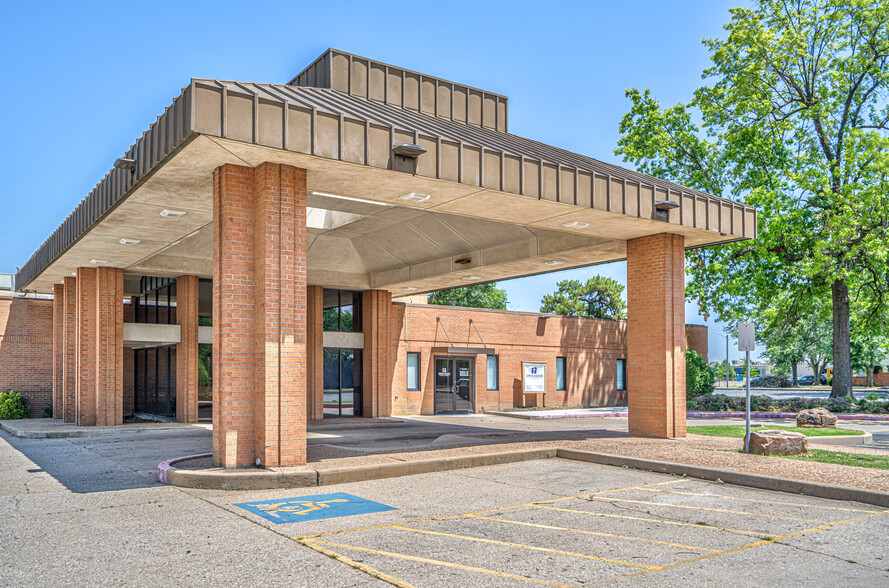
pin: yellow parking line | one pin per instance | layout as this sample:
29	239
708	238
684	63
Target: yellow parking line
437	562
736	512
481	512
640	487
358	565
597	533
530	547
757	544
756	500
681	524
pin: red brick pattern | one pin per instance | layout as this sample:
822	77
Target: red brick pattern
698	340
26	350
69	346
315	352
259	306
376	368
187	383
656	335
99	347
58	353
591	348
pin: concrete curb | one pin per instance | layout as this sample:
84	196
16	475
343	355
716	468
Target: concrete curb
265	479
84	432
866	439
268	479
732	477
530	416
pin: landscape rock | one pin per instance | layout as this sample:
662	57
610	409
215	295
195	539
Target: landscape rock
777	442
816	418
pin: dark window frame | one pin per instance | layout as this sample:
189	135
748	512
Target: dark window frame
564	362
408	371
496	373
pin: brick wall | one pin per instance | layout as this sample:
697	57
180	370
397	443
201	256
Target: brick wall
591	348
697	339
26	360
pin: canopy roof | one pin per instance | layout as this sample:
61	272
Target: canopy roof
469	169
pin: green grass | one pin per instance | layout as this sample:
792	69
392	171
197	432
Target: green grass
862	460
739	431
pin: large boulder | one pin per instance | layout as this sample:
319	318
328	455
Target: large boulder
816	418
777	442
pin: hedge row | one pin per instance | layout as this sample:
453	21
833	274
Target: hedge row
723	403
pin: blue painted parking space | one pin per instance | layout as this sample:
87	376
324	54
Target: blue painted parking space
312	508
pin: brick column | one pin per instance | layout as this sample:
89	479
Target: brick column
376	386
58	350
99	346
656	335
69	347
259	315
315	351
187	349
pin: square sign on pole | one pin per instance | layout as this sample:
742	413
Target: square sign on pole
747	343
746	337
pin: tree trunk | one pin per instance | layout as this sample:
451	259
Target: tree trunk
793	371
870	377
842	354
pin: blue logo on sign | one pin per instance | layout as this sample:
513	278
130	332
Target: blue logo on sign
312	508
533	370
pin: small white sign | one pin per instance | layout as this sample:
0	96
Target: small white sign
746	337
534	377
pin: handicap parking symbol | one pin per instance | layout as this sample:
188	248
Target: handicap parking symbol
312	508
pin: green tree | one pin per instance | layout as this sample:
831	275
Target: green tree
699	376
598	297
475	296
794	122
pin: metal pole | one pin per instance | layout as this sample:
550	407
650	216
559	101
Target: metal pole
747	437
726	362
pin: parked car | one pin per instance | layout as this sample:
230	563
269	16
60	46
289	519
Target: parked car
806	381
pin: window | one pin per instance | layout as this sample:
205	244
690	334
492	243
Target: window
621	374
342	311
493	372
413	371
560	373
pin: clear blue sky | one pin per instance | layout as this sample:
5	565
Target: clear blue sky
83	80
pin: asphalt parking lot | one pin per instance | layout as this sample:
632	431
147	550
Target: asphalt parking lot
75	514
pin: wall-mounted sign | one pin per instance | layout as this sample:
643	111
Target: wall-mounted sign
533	377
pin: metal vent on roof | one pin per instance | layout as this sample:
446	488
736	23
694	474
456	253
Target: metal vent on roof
7	282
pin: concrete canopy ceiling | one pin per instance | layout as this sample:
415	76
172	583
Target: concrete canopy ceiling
390	243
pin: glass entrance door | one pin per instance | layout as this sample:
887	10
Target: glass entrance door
454	384
342	382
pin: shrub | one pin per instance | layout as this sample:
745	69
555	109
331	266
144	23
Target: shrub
13	406
769	382
698	375
47	412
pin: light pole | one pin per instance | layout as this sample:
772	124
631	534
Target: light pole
726	361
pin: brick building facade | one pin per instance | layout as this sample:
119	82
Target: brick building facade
26	342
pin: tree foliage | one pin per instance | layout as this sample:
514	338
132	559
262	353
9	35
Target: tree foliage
794	121
598	297
475	296
699	378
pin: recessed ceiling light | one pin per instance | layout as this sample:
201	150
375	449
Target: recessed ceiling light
575	225
130	241
173	213
98	261
409	288
470	278
553	262
415	197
